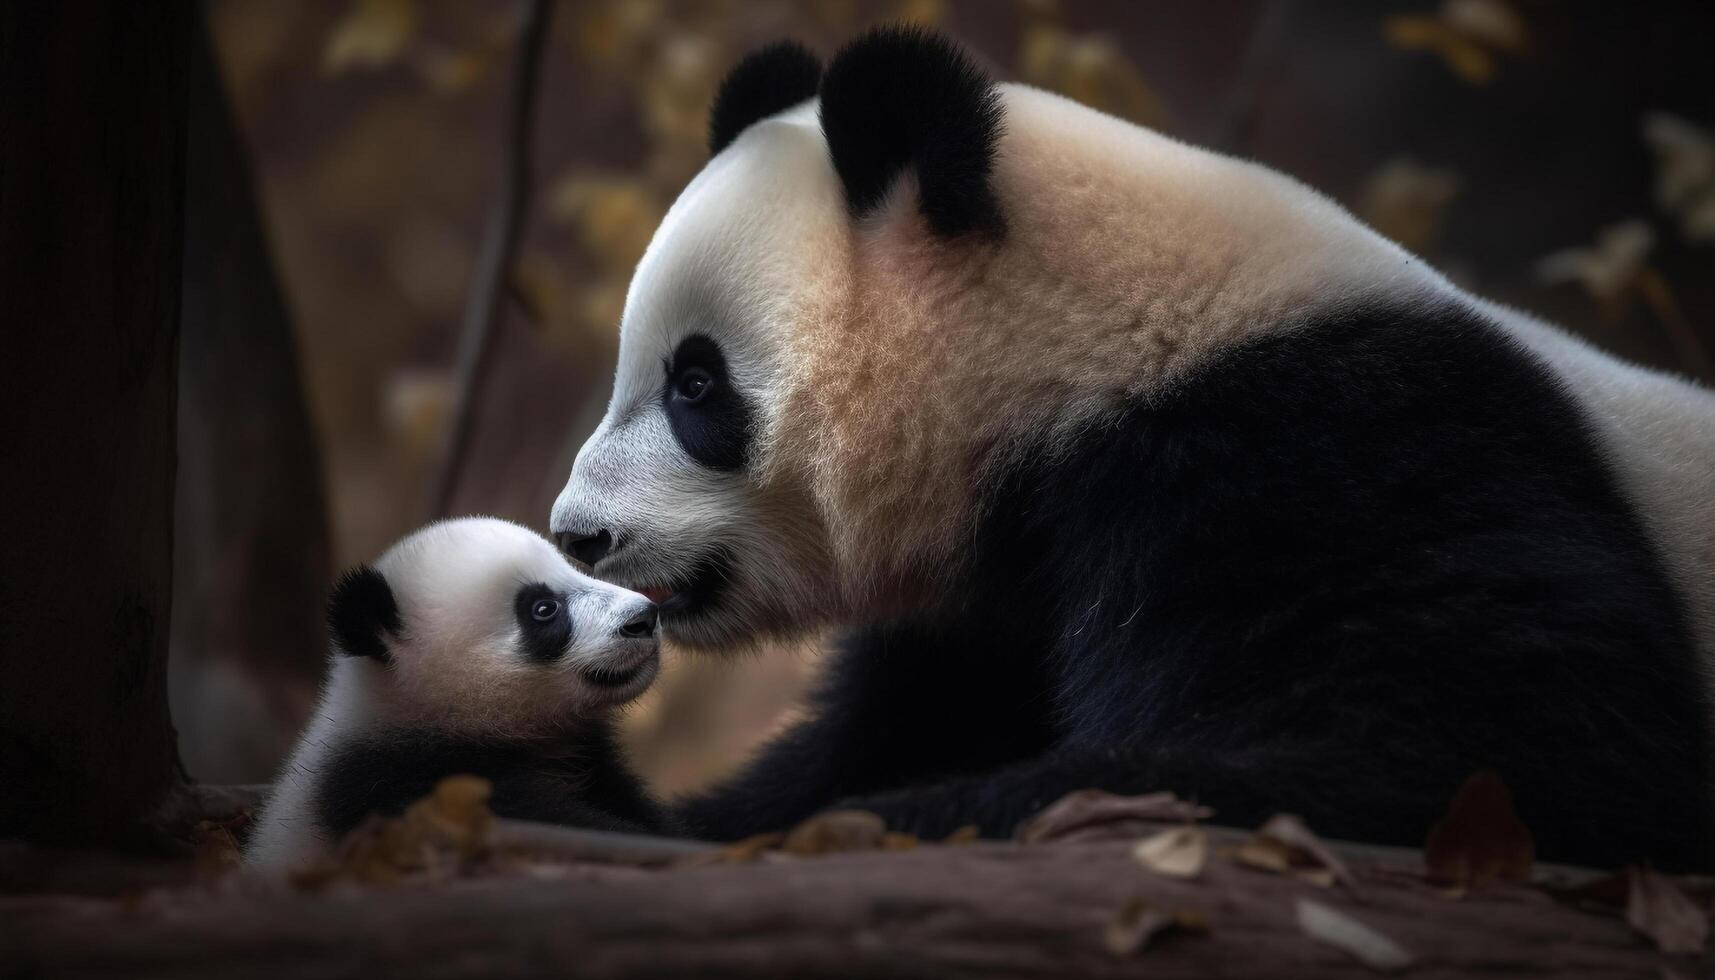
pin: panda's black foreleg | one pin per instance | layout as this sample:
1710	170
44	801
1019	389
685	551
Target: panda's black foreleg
899	704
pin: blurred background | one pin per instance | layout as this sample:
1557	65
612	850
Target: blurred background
1553	155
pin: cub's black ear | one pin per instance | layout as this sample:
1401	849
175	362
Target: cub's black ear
902	97
771	79
360	609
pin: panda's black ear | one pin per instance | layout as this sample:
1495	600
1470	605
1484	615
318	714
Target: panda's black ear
360	610
901	97
768	81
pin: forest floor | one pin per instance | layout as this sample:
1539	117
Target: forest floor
1098	886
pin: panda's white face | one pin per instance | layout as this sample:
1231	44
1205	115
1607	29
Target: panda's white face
673	495
808	402
498	634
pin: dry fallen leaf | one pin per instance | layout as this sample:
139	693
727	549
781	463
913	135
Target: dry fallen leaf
968	834
738	852
1093	814
1284	845
1657	908
835	831
891	841
1481	838
440	834
1137	922
1328	925
217	851
1176	853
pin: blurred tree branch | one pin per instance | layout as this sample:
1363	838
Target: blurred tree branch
494	263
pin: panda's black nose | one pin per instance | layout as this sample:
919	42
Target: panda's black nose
588	548
640	625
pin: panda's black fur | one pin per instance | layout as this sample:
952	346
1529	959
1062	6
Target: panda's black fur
580	779
1335	572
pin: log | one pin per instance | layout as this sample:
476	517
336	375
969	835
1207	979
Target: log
988	909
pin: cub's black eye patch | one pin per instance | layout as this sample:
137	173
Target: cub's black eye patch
544	622
709	416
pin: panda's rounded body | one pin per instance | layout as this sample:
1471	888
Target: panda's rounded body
471	647
1137	466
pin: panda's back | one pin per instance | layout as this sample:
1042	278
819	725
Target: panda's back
1657	435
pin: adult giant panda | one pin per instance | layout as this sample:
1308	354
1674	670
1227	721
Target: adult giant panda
1135	466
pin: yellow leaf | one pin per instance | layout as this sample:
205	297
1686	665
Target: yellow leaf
1463	56
1090	69
616	215
1176	853
372	35
1406	202
834	831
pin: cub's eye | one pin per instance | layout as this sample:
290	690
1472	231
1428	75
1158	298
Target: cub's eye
544	610
693	385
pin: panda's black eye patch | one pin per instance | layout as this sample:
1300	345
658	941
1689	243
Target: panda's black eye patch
546	630
709	416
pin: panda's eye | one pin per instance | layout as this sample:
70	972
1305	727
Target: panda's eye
693	385
544	610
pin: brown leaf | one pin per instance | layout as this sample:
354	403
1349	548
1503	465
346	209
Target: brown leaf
891	841
740	851
1176	853
217	851
1481	838
1093	814
1284	845
835	831
1335	928
1137	922
968	834
1657	908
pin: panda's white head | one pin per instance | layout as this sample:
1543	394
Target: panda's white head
889	279
481	627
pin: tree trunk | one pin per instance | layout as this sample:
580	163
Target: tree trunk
92	121
251	541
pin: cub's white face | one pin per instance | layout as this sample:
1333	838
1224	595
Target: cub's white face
674	494
500	635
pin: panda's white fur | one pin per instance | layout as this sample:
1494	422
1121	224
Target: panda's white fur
1145	255
456	665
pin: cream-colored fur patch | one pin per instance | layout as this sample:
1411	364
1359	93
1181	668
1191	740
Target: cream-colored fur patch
1129	258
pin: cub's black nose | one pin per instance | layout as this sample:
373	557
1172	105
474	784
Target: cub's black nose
588	549
640	625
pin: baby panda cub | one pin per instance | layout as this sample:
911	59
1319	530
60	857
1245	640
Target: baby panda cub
471	646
